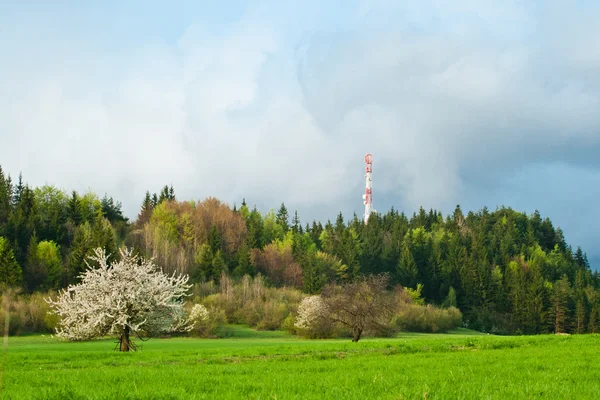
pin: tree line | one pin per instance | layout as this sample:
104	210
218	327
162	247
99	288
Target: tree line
507	271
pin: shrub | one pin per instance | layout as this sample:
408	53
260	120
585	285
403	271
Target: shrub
251	302
418	318
313	320
28	314
206	323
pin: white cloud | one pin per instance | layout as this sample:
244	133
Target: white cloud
450	100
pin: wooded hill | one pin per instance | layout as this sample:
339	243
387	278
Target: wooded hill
507	271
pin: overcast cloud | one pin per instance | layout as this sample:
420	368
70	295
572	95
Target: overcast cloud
464	102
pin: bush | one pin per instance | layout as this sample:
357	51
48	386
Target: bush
418	318
28	314
206	322
251	302
313	320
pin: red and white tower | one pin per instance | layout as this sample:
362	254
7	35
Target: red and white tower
368	196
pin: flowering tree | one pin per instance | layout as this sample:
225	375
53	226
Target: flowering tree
313	317
131	296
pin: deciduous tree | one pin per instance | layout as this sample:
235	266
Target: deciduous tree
132	296
364	304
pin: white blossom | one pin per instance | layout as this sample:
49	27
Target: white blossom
130	296
198	314
310	311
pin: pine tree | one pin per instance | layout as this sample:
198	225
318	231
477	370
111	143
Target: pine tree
5	200
214	239
244	263
282	218
32	278
407	272
560	303
254	224
82	247
18	191
580	302
203	261
10	271
218	265
74	208
164	194
146	210
103	235
112	210
296	226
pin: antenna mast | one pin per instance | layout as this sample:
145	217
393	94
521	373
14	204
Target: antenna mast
368	196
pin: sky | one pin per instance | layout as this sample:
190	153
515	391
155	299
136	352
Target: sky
470	102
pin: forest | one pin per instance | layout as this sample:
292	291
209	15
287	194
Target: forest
508	272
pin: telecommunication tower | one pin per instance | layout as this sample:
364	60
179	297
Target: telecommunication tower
368	196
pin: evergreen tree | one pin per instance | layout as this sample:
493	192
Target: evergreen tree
214	239
254	225
408	274
112	210
296	225
282	218
560	302
32	276
75	208
218	265
580	302
18	190
146	210
103	235
82	248
203	260
5	200
244	263
10	271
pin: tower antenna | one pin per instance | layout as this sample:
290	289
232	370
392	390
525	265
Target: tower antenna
368	196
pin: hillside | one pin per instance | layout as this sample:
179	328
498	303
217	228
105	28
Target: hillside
508	272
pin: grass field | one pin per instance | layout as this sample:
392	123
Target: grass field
273	365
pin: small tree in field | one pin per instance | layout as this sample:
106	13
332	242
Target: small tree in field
313	318
364	304
130	297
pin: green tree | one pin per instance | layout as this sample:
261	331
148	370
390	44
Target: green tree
44	266
82	248
218	265
244	263
203	260
296	225
214	239
146	210
6	194
74	208
10	271
408	274
561	296
282	218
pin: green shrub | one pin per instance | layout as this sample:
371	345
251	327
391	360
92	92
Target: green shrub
28	314
418	318
250	302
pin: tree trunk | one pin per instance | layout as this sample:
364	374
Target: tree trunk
125	343
357	333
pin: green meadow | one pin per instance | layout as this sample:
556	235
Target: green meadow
272	365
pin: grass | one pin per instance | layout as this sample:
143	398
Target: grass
273	365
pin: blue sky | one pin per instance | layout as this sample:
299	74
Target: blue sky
465	102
